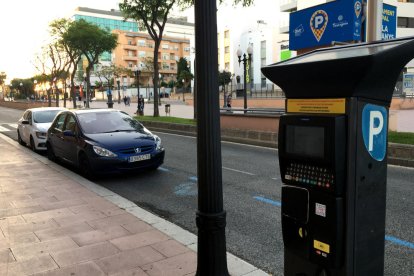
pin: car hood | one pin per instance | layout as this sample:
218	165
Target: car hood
122	139
43	127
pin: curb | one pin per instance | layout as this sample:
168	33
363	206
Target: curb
236	266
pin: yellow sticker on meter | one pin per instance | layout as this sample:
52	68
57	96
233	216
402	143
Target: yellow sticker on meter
321	246
334	106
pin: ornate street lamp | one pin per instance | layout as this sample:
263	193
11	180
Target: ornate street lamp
245	60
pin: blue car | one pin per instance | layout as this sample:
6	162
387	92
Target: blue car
100	141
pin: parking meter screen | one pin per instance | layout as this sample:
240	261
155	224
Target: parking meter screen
305	141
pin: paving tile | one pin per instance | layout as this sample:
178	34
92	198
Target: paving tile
137	227
11	220
46	215
112	221
14	240
133	272
20	211
33	202
6	256
127	260
170	248
74	229
100	235
85	253
175	266
62	204
25	252
83	269
21	228
80	217
28	267
139	240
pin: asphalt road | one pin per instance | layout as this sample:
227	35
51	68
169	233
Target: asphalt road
251	187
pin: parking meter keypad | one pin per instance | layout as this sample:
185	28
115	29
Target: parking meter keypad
310	175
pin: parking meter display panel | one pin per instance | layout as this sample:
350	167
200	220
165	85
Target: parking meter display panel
312	151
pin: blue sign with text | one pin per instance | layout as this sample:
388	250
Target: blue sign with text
389	22
322	24
374	130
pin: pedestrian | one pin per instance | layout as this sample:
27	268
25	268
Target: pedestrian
125	100
128	100
140	110
229	101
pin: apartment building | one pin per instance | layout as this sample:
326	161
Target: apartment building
137	49
178	34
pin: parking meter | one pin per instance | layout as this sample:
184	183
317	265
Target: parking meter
332	155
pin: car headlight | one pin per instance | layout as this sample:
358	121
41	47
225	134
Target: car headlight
103	152
158	142
41	135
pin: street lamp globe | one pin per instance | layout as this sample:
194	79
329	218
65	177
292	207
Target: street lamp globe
239	52
250	50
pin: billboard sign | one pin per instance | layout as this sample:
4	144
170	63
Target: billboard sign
322	24
408	83
389	22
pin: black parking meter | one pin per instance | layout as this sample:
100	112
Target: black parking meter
332	155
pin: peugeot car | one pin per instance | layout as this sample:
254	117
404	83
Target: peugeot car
33	125
100	141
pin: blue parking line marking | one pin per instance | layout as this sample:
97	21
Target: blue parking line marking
266	200
163	169
193	178
399	242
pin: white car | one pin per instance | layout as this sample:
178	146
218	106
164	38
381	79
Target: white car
33	125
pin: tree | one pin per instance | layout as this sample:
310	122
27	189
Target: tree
3	78
58	29
151	15
91	41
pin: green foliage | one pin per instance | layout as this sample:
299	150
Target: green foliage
3	78
401	137
183	73
224	77
171	84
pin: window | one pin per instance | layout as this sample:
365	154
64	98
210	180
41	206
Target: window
141	43
165	56
186	49
227	34
165	66
130	64
150	45
172	66
172	57
405	22
59	122
142	54
263	48
227	49
70	124
165	46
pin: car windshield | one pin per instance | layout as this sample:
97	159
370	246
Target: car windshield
45	116
106	122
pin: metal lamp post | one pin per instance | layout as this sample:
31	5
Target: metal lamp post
21	88
86	91
159	88
34	89
245	60
183	81
56	91
65	95
137	72
119	91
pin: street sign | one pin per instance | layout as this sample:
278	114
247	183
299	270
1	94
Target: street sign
408	83
374	130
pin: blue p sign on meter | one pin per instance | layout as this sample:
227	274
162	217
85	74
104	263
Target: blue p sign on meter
374	130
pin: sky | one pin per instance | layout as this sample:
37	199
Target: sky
24	29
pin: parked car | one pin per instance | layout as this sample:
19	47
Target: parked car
33	125
100	141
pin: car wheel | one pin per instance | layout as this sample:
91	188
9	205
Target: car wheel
50	153
19	139
85	167
32	144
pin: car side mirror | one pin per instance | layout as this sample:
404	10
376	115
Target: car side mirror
68	133
25	122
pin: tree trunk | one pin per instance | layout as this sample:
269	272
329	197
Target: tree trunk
156	78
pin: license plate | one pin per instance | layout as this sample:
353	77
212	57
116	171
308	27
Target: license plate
139	157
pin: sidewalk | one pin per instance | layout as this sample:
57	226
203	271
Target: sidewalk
55	222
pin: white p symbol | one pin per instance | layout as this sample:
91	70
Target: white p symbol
318	21
372	129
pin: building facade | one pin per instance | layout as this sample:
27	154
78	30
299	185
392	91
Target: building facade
136	49
178	40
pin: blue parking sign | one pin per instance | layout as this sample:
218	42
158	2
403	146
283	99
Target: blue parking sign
374	130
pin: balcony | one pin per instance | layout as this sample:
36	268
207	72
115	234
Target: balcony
288	5
127	57
130	47
284	26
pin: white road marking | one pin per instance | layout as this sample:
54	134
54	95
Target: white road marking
3	129
234	170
